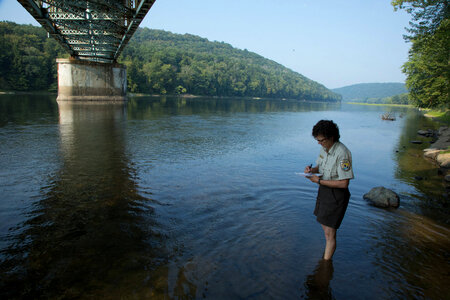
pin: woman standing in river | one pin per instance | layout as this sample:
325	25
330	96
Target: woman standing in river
335	165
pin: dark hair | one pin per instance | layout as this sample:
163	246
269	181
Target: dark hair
328	129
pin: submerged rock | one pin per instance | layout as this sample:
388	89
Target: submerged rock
382	197
422	132
427	133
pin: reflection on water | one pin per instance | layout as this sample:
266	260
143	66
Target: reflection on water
23	110
154	107
416	249
432	199
87	235
173	198
317	285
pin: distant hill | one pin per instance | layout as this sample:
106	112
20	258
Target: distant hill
364	91
162	62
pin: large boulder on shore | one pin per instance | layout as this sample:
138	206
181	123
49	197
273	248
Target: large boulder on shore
443	159
382	197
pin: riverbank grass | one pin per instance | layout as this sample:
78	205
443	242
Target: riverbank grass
442	116
381	104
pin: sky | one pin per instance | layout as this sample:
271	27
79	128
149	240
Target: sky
333	42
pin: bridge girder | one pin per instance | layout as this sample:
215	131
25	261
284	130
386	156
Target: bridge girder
95	30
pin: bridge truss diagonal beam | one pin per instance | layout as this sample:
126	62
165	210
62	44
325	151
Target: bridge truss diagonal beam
95	30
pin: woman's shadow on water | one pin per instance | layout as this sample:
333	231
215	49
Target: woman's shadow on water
317	284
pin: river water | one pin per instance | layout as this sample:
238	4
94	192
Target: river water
168	198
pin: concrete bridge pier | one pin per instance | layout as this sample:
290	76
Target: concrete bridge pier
80	80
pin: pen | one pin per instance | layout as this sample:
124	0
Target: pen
310	168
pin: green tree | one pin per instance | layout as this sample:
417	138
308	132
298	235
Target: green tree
428	66
27	58
159	62
168	60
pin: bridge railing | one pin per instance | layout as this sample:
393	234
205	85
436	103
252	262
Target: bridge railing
90	30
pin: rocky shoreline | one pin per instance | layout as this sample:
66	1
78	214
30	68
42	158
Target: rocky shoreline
439	151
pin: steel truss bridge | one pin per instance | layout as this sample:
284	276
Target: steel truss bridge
94	30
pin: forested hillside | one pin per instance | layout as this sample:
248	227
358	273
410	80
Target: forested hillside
159	62
363	92
162	62
27	58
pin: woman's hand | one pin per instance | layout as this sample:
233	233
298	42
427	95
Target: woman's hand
314	178
308	169
311	169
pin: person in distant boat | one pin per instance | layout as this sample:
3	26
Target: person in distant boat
334	166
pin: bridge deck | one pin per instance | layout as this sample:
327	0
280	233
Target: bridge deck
95	30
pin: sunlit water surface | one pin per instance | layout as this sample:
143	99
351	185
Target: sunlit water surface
198	198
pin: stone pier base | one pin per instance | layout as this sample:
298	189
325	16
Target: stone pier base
80	80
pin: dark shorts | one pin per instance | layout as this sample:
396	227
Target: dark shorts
331	205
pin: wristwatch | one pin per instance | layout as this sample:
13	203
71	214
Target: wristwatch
318	181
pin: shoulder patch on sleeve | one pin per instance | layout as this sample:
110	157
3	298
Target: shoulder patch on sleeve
346	165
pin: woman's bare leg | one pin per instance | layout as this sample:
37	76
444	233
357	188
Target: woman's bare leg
330	236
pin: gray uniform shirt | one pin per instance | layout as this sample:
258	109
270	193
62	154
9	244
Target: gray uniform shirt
336	164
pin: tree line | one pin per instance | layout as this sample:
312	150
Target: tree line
159	62
396	99
27	58
428	67
162	62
